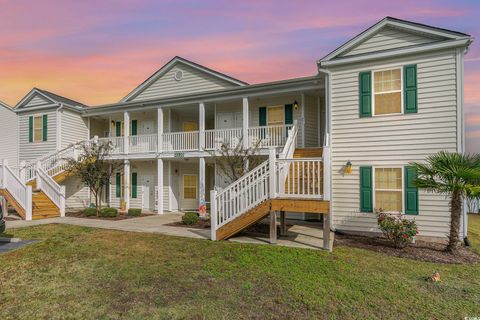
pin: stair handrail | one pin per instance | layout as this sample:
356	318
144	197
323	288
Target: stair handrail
51	188
291	142
21	192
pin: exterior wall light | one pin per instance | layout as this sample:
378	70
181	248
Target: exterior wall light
295	104
348	167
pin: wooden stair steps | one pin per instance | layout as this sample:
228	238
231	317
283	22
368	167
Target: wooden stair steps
43	207
308	153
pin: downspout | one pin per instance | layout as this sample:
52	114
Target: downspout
327	136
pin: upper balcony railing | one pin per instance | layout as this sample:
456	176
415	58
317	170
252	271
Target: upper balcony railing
263	137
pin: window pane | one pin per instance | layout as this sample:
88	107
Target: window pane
190	193
190	186
190	126
388	200
386	103
275	115
388	178
388	80
38	135
38	128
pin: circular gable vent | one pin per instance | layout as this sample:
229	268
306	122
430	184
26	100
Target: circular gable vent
178	75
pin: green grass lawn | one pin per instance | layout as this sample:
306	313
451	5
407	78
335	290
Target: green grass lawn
83	273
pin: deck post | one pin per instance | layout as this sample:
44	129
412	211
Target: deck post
201	126
22	171
202	205
273	172
273	227
245	108
160	129
126	132
126	182
159	186
283	223
213	215
326	231
326	173
4	207
28	204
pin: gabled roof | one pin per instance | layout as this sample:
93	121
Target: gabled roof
6	106
169	65
395	23
51	97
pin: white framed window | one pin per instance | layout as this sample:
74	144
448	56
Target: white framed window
387	91
190	126
388	189
38	128
275	115
190	186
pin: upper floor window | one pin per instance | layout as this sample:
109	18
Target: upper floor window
37	128
275	115
387	91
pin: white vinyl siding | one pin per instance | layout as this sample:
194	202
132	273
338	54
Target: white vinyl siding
9	135
31	151
393	140
311	121
193	81
76	194
389	38
74	128
37	100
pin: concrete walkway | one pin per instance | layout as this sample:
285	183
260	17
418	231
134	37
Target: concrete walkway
300	235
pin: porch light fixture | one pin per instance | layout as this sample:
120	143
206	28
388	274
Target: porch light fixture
348	168
295	104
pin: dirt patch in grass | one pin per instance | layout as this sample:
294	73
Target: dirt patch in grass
121	216
421	250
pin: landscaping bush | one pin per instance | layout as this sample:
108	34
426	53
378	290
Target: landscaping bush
108	213
90	212
190	218
134	212
396	228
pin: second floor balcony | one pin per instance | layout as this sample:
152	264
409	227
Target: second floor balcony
209	140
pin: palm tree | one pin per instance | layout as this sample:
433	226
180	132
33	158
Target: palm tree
452	174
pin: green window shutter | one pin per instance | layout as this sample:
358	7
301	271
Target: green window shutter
288	114
45	127
134	185
30	129
118	190
366	189
118	129
134	128
411	191
262	117
365	93
410	88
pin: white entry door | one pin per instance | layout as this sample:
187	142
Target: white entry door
224	120
148	183
146	127
238	119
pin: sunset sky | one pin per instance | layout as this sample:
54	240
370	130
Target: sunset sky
97	51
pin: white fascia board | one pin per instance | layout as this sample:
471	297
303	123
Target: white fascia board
397	52
30	94
47	106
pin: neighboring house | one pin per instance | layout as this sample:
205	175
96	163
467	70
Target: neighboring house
391	95
8	134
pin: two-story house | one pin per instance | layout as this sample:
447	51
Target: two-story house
391	95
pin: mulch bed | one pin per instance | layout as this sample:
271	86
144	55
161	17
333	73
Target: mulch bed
201	224
121	216
421	250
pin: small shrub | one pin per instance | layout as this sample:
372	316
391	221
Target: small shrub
90	212
134	212
190	218
396	228
108	213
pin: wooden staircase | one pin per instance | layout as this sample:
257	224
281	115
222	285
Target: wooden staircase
43	207
13	202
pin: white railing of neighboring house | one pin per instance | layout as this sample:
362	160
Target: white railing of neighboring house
52	189
268	136
145	143
180	141
118	144
215	138
21	192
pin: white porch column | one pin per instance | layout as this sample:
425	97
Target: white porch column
160	129
245	122
126	184
202	206
160	186
126	133
201	126
302	122
4	207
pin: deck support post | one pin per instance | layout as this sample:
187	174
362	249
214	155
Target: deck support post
213	215
126	181
202	205
159	186
245	114
160	129
283	224
201	126
4	207
326	232
273	227
126	132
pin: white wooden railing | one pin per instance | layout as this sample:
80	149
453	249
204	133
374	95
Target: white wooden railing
52	189
302	179
118	144
21	192
146	143
180	141
215	138
268	136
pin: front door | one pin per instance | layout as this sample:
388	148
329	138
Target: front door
146	127
225	120
148	183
